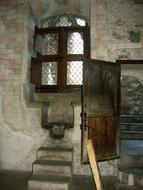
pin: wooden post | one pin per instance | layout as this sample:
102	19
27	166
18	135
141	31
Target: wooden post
94	165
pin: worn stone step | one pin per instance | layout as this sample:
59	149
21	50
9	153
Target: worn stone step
133	170
130	175
55	153
132	118
132	135
131	123
132	127
132	160
121	186
62	168
42	182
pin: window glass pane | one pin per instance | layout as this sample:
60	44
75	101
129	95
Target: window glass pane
49	73
74	72
75	43
64	21
80	21
50	44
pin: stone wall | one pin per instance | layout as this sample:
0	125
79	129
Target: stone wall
131	95
125	26
20	129
116	29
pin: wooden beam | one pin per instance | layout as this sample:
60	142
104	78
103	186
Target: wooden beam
94	165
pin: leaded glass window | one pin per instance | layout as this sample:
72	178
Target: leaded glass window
49	73
64	21
74	72
60	53
80	22
50	44
75	43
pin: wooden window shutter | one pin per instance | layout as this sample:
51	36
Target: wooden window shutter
38	41
36	72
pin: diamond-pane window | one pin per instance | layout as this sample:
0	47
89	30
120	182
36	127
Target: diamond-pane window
49	73
75	43
80	21
64	21
74	72
50	44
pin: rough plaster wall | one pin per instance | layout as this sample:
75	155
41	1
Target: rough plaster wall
99	30
116	30
125	25
20	132
44	8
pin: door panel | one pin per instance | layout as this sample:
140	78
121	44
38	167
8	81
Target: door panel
101	108
102	131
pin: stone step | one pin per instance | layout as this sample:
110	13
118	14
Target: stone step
131	123
131	160
120	186
55	153
130	175
132	135
132	118
42	182
62	168
132	170
132	127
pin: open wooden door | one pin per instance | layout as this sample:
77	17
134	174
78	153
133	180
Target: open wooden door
100	108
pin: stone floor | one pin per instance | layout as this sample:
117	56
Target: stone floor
11	180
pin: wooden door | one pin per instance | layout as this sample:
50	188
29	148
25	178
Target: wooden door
100	108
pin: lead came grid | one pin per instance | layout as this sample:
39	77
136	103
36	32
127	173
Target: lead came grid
74	72
49	73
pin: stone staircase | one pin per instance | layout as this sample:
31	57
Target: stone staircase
52	170
132	127
130	175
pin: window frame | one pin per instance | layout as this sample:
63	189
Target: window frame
62	57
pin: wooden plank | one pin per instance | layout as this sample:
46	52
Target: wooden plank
94	165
